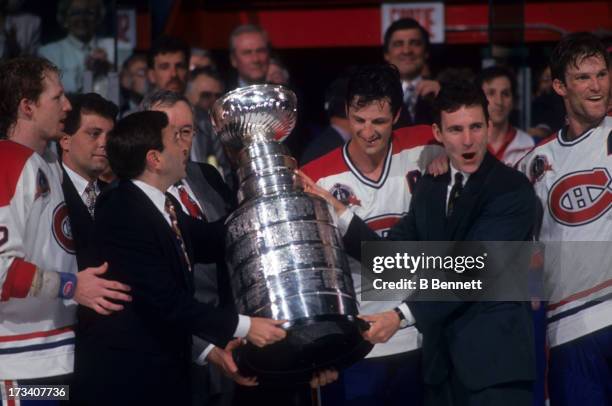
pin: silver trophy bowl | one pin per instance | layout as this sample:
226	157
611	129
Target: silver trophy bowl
283	250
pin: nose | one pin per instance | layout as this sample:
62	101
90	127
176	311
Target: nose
173	71
367	130
595	84
467	138
66	106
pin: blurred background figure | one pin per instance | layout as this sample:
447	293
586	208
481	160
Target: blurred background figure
277	73
133	80
80	50
20	32
249	55
204	87
168	62
547	110
201	58
338	131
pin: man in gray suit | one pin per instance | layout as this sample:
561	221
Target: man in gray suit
202	194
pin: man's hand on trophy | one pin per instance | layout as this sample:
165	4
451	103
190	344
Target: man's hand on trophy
223	359
311	187
382	326
265	331
322	378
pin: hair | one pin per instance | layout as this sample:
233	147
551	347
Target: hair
204	53
88	103
405	24
335	98
494	72
454	95
370	83
206	71
20	78
572	49
166	45
162	98
131	139
136	56
246	29
64	5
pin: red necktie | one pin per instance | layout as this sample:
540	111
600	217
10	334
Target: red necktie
192	207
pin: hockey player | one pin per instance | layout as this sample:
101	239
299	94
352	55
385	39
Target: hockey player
572	175
38	271
374	174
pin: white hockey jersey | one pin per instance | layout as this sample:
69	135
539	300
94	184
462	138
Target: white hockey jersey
380	204
517	144
573	180
36	335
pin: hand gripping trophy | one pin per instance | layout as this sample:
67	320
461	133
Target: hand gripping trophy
284	253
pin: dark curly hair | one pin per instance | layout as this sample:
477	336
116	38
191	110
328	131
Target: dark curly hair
454	95
572	49
373	83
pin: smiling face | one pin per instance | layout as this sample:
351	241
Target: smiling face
464	136
371	128
499	95
85	151
407	52
586	91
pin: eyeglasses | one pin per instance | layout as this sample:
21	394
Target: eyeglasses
183	134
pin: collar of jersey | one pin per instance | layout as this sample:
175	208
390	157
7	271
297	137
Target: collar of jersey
581	137
361	177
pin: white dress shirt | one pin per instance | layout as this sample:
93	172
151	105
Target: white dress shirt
80	183
159	200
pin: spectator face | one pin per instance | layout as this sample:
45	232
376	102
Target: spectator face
49	111
464	136
204	91
82	18
169	72
586	90
371	127
85	150
499	95
277	75
180	122
137	72
407	52
251	57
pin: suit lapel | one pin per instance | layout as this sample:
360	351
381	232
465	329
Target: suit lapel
435	216
459	222
163	229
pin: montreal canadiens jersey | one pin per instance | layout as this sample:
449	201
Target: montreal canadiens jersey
36	335
380	204
518	143
573	180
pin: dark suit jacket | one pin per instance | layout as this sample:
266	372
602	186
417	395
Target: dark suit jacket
423	113
141	355
328	140
484	343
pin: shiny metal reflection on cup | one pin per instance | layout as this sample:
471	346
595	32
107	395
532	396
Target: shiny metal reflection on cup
284	252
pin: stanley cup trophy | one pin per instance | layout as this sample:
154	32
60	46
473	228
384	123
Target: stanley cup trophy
284	252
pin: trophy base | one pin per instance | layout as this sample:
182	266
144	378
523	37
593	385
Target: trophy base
312	344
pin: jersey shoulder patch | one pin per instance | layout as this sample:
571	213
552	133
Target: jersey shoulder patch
13	157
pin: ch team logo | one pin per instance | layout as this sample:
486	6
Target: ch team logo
61	228
345	194
581	197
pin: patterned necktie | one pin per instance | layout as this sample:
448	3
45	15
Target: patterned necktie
455	193
410	98
177	231
192	207
90	197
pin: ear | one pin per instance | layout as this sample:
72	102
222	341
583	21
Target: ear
64	142
233	59
386	56
152	159
25	108
559	87
437	133
151	76
397	115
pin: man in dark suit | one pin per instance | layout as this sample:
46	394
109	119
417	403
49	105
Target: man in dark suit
338	132
406	45
141	355
474	353
83	148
